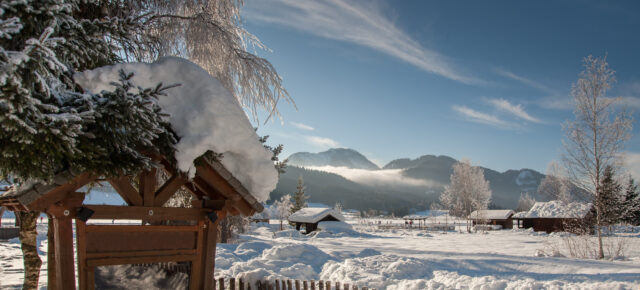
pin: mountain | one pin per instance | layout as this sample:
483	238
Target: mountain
338	157
329	188
506	186
431	172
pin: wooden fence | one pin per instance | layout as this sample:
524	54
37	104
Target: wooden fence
239	284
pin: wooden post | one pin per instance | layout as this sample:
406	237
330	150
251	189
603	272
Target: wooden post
297	284
197	278
240	284
51	256
328	285
320	285
304	285
313	285
289	284
337	285
209	251
277	284
81	249
221	283
64	262
346	286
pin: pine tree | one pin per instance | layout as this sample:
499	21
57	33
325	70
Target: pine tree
299	198
631	204
609	201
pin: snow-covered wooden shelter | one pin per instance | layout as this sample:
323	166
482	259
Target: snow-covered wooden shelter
205	117
555	216
309	217
498	217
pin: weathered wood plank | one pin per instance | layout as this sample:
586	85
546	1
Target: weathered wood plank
81	246
60	193
139	260
145	213
148	186
65	272
196	279
168	189
123	186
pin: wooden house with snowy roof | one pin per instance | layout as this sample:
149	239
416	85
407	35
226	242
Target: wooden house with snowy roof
309	217
555	216
496	217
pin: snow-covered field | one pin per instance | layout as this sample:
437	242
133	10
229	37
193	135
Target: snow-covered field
402	259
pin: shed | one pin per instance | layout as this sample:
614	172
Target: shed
555	216
217	193
499	217
309	217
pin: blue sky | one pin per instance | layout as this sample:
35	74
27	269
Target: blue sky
484	80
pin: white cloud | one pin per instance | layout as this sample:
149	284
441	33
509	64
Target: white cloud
302	126
322	141
360	23
526	81
480	117
632	164
516	110
631	102
384	177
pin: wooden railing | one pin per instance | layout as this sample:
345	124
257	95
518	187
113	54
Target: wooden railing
239	284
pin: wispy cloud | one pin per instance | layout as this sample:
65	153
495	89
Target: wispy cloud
302	126
632	164
357	22
480	117
515	110
631	102
322	141
524	80
386	177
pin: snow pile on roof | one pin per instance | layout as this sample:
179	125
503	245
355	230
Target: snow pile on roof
491	214
520	214
314	214
558	209
205	116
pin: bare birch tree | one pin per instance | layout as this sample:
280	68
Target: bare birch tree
597	135
283	208
468	191
210	33
556	185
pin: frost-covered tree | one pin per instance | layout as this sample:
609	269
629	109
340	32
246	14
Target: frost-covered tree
468	191
555	185
525	202
210	33
283	208
631	204
597	135
338	207
299	197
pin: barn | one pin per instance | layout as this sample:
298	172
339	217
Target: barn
497	217
309	217
555	216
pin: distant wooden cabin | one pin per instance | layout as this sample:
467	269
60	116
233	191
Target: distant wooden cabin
500	217
165	234
555	216
309	217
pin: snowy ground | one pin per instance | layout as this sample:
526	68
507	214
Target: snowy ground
403	259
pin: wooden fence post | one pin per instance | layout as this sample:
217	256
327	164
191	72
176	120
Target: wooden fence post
289	285
304	285
346	286
328	285
297	284
277	284
313	285
232	283
337	285
221	282
320	285
240	284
